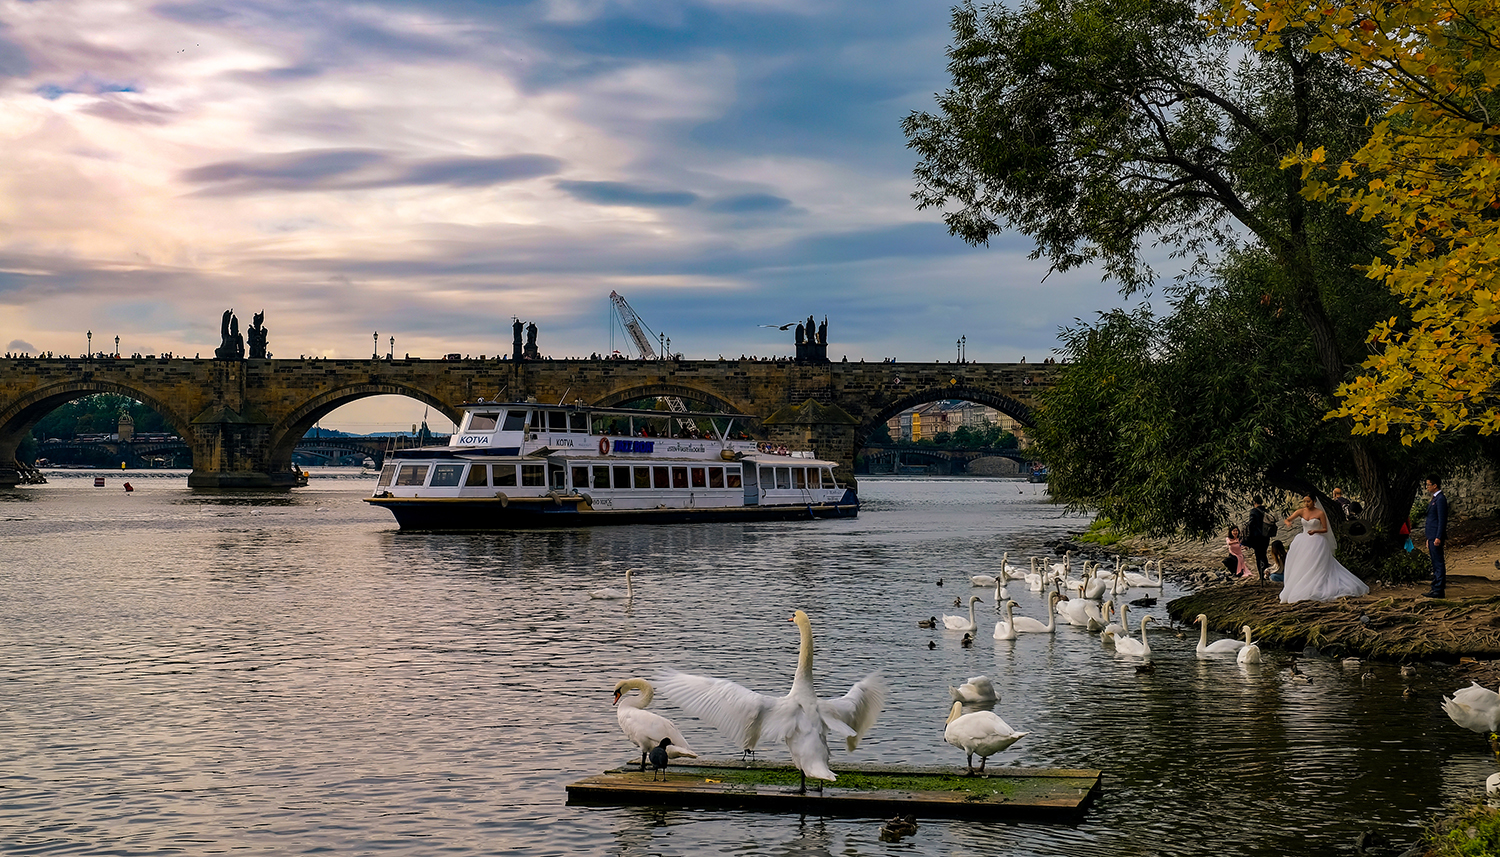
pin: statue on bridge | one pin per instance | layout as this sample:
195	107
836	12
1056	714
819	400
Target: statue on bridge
812	341
258	334
232	345
531	352
516	352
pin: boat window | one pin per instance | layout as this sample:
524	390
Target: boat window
732	476
767	477
700	477
643	477
558	479
538	420
679	477
622	477
515	421
478	476
447	475
578	422
659	477
412	474
601	477
534	475
386	473
504	475
482	422
716	477
581	477
783	477
557	421
799	477
828	479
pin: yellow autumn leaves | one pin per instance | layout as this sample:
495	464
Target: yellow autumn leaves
1430	174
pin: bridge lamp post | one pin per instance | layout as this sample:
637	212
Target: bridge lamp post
90	352
391	355
117	346
375	355
661	339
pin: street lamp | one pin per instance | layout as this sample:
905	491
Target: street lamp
661	339
117	346
376	355
391	355
90	352
963	342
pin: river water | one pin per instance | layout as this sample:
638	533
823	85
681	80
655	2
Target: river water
192	673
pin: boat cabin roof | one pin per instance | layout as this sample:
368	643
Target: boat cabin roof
592	409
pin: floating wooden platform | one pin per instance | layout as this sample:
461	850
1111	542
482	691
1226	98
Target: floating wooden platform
1003	793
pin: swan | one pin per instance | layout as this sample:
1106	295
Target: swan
800	718
647	729
981	732
1076	611
1131	646
1115	630
1035	580
983	580
959	623
1217	647
1001	593
1005	629
1474	708
1094	585
1010	571
1028	625
609	594
1250	653
1060	570
1140	578
1099	617
978	690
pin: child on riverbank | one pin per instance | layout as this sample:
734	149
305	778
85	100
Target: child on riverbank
1278	561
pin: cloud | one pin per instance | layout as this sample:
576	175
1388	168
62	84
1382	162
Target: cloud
362	169
619	193
20	345
749	203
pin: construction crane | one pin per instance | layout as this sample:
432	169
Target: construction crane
637	330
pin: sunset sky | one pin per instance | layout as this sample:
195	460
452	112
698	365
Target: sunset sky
430	170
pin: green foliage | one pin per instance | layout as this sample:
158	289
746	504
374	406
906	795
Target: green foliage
881	434
1473	832
98	414
1101	532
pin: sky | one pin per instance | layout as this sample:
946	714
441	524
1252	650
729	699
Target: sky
431	170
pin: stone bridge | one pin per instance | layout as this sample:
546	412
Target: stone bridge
242	419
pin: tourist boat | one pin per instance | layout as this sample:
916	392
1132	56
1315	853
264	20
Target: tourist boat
517	465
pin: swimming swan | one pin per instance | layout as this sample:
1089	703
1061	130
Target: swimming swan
647	729
1474	708
1005	629
609	594
1217	647
959	623
1028	625
1131	646
981	732
978	690
800	718
1250	654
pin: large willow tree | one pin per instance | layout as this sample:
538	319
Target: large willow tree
1105	129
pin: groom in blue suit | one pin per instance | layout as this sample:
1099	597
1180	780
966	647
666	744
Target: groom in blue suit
1437	533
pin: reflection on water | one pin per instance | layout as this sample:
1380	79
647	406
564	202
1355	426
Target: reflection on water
192	672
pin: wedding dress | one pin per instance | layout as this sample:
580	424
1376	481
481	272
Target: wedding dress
1311	572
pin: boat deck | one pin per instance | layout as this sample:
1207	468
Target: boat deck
1004	793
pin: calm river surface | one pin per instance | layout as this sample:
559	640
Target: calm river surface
190	673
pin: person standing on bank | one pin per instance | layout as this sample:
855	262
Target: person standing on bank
1255	536
1437	533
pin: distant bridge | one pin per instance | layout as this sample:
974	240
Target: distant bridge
890	458
242	419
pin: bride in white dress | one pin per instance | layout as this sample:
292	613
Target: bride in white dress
1311	572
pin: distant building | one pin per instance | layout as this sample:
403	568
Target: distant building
929	420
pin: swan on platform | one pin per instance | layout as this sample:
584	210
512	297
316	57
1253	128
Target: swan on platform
1250	653
800	718
610	594
1028	625
981	732
1217	647
647	729
1136	648
959	623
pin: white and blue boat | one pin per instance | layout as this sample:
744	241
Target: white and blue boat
520	465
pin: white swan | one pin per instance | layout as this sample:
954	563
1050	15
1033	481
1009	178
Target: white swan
982	580
1094	585
1076	610
1005	629
1028	625
1217	647
1136	648
1010	571
1036	579
800	718
1250	653
1474	708
645	729
609	594
1060	570
1001	593
978	690
981	732
959	623
1115	630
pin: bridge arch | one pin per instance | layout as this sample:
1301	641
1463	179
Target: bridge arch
17	418
287	431
1001	402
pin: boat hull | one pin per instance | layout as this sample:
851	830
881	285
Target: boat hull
478	514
